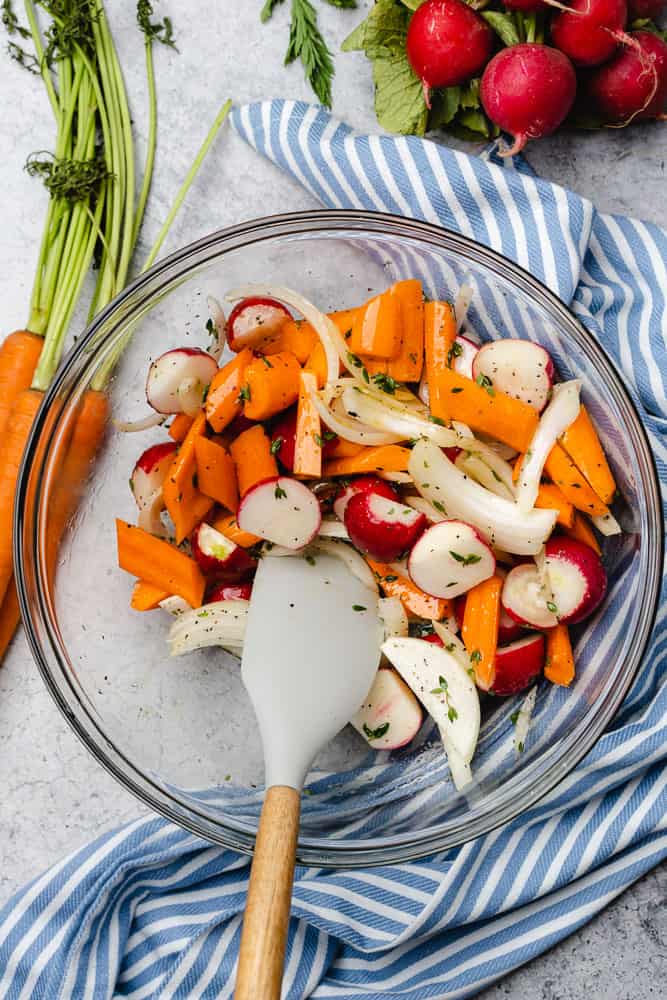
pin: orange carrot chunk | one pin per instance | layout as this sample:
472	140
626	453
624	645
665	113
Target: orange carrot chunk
562	471
380	458
415	601
216	474
180	426
252	456
582	530
480	629
224	400
227	525
551	497
308	440
146	596
407	367
340	448
439	335
185	502
582	444
559	664
295	336
376	329
157	562
271	385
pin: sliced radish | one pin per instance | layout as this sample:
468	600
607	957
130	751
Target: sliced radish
443	686
382	528
390	716
230	592
283	438
176	375
218	555
280	510
562	411
524	600
464	353
146	483
253	320
518	368
577	576
449	559
362	484
518	664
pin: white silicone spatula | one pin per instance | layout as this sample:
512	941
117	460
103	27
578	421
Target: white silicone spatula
309	658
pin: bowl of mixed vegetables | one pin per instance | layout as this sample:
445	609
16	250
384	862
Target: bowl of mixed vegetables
392	395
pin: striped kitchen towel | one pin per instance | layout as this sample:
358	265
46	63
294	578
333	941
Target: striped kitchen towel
150	911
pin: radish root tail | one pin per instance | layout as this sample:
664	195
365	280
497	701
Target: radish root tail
648	66
516	147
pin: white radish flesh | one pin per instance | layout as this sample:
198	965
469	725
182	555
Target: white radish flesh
562	411
168	372
146	483
280	510
449	559
577	578
254	321
333	528
518	368
523	598
390	716
465	352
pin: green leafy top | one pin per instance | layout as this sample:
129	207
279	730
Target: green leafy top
158	31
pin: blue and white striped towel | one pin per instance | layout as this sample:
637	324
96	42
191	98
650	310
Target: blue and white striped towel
150	911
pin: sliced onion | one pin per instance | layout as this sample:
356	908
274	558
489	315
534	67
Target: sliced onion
501	469
462	304
472	465
145	424
190	394
606	524
331	527
452	643
523	719
459	768
149	516
501	449
563	410
425	508
399	420
393	618
349	555
175	605
222	623
220	324
348	427
396	477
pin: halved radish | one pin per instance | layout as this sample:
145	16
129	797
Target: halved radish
178	379
280	510
218	555
381	527
464	353
283	438
524	600
518	664
362	484
449	559
391	715
253	320
577	576
518	368
230	592
146	484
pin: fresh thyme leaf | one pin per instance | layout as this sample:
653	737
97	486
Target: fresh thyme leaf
279	493
158	31
310	560
514	717
376	734
267	10
485	383
306	43
455	351
439	506
475	656
436	420
266	361
276	445
359	607
244	394
385	382
468	560
11	22
552	607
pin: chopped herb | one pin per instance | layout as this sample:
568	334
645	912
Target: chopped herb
485	383
496	476
456	389
442	688
389	579
455	351
228	777
365	375
204	396
310	560
475	656
307	791
552	607
203	614
355	360
413	357
347	334
376	734
439	506
244	394
452	714
359	607
266	361
521	747
210	328
279	492
450	647
514	717
468	560
436	420
277	444
385	382
392	510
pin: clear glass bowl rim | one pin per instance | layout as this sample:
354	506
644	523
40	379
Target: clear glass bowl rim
537	779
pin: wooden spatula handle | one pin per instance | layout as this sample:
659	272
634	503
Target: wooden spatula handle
264	935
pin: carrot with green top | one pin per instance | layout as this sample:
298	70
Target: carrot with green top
159	563
559	663
253	458
479	632
582	444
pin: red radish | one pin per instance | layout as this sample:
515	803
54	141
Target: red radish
218	556
253	320
230	592
452	453
146	483
447	44
518	664
590	31
651	9
238	426
525	6
283	438
518	368
634	83
390	716
527	90
449	559
281	510
508	629
523	598
383	528
465	351
178	379
433	638
362	484
577	577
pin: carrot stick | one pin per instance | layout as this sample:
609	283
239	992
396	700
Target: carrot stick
414	600
344	449
216	475
317	364
224	402
376	328
271	385
582	530
407	367
185	502
582	444
562	471
180	426
10	616
252	456
480	628
19	355
559	664
308	440
146	596
551	498
381	458
157	562
439	335
295	336
227	525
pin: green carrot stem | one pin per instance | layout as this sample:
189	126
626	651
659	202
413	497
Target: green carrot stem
151	143
39	53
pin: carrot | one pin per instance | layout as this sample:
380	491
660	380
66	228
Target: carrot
317	364
308	441
10	616
415	601
376	328
439	335
583	532
344	449
562	471
407	367
252	456
381	458
157	562
295	336
582	444
483	408
224	401
227	525
185	502
19	355
146	596
480	628
271	385
559	663
551	498
216	475
180	426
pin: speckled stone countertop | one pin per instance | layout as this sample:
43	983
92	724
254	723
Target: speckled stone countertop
55	797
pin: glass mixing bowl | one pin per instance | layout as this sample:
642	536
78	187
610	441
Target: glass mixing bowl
180	733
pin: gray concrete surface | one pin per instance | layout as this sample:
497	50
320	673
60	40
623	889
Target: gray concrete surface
54	796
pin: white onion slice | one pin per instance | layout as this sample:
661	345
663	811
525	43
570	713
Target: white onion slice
331	527
522	724
606	524
462	304
472	465
496	463
396	477
393	618
220	323
145	424
348	427
459	768
222	623
175	605
452	643
398	420
426	508
563	410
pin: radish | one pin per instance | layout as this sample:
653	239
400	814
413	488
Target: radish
577	576
634	83
363	484
518	368
390	716
219	556
449	559
382	528
527	90
590	31
146	483
280	510
230	592
447	44
178	379
645	8
253	320
524	600
283	438
518	664
525	6
464	353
